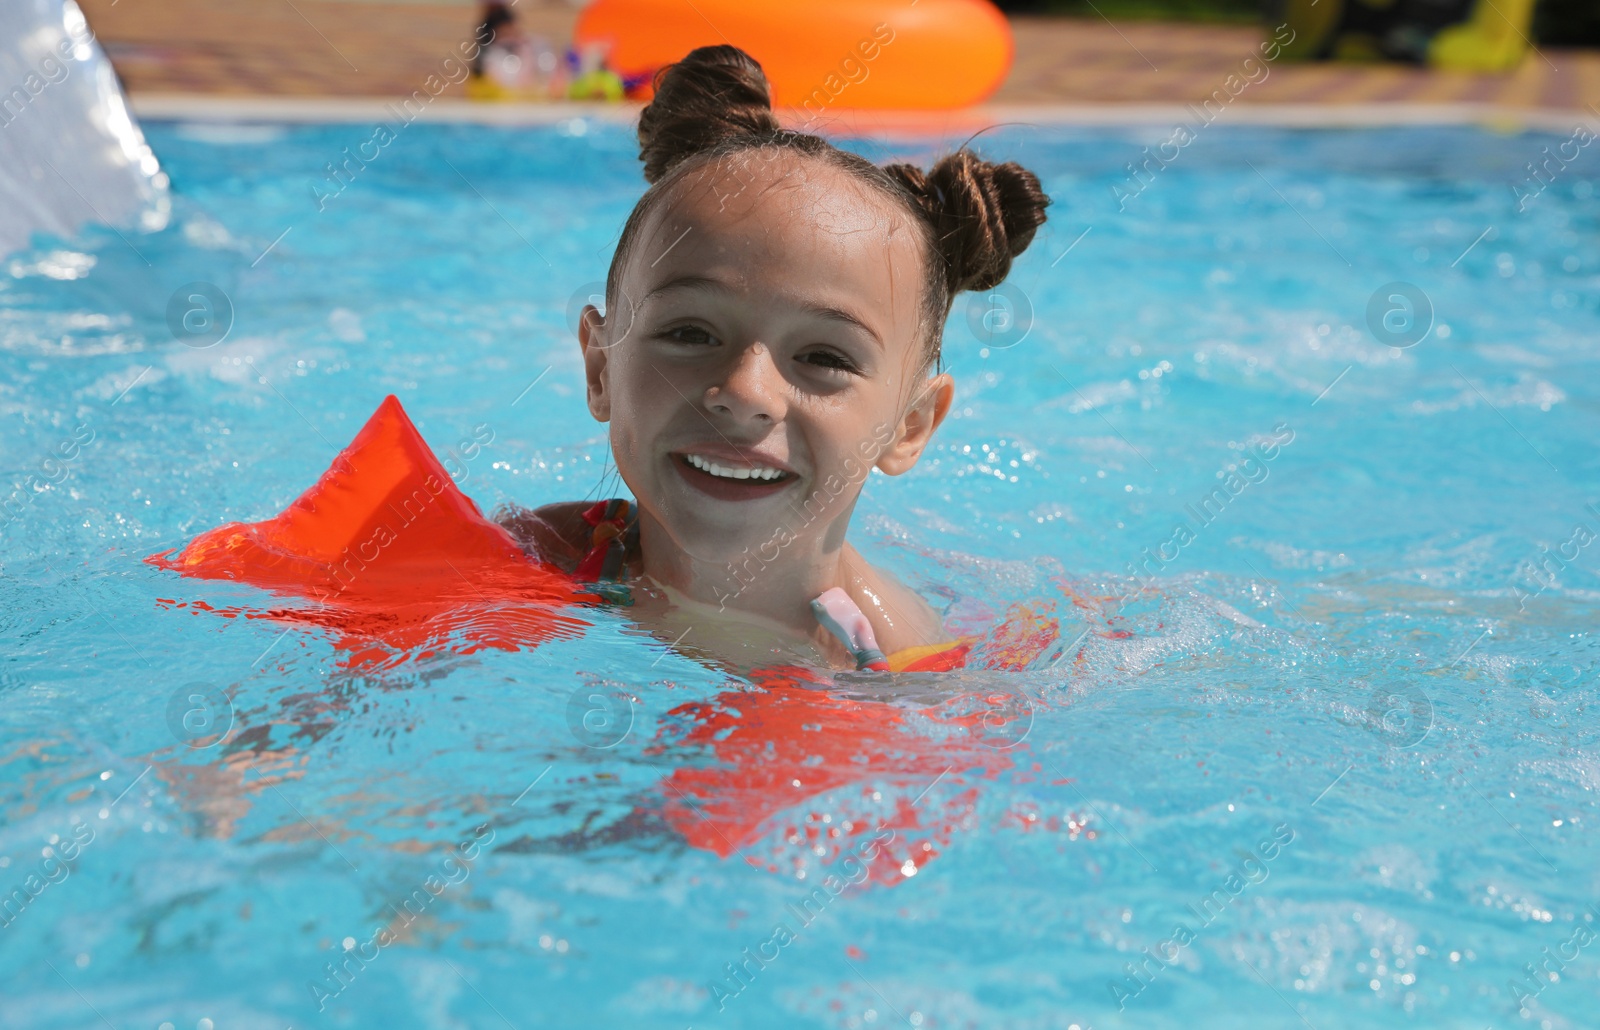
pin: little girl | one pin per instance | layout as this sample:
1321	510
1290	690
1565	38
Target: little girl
773	319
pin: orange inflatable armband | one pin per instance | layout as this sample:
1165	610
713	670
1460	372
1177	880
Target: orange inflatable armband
394	553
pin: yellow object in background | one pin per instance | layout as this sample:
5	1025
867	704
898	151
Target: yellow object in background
1493	40
482	87
596	85
594	81
1458	35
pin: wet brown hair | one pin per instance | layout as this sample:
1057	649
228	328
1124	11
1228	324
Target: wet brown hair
975	216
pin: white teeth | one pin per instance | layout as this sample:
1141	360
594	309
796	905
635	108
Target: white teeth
705	465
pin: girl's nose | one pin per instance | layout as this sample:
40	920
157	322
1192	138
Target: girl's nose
753	388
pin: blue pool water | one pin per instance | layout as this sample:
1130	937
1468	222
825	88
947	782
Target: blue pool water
1326	757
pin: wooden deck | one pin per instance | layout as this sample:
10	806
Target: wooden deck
355	48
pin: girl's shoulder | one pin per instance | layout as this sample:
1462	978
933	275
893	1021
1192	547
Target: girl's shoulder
900	617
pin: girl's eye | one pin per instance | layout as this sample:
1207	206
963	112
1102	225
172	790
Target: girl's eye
831	360
690	334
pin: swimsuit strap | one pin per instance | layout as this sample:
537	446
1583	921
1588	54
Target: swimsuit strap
615	527
842	617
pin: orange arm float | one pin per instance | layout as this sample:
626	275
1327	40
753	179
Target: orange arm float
395	554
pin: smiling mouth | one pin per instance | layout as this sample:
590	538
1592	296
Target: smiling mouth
758	473
731	482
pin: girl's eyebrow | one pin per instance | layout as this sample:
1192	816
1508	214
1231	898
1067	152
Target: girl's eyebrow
702	282
687	282
840	315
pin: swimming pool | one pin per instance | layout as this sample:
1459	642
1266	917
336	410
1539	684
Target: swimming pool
1319	749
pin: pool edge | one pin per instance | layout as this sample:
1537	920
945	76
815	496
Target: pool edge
333	110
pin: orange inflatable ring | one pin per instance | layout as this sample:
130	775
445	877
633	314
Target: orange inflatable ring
934	54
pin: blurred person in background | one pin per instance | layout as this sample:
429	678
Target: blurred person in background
511	64
499	40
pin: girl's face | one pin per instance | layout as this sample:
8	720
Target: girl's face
764	354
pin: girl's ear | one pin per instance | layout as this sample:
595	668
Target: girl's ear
917	426
596	353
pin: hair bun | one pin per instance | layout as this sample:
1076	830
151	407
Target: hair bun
714	94
982	214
